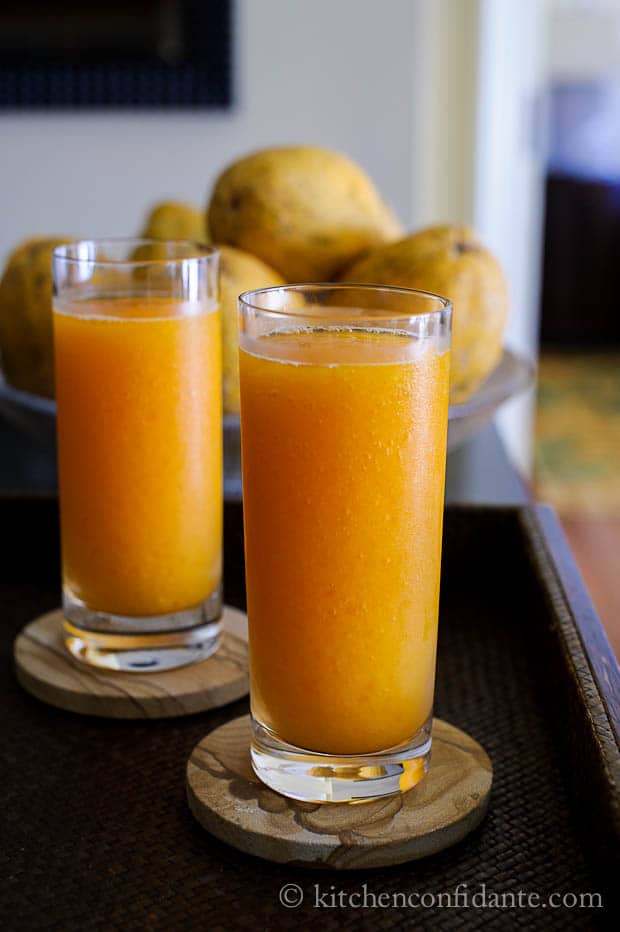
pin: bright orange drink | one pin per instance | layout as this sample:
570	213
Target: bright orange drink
344	447
139	424
140	462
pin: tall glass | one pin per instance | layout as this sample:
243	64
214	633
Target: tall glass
138	391
344	417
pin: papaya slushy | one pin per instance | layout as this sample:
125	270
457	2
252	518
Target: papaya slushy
138	387
343	452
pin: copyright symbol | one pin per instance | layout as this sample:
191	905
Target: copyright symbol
291	895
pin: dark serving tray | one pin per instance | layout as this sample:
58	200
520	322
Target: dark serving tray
97	833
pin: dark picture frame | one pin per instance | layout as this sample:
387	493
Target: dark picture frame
118	54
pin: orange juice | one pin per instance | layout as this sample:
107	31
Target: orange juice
139	449
343	446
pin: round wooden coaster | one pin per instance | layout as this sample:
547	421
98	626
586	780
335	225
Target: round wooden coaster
46	669
230	802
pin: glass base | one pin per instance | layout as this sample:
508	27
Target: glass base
314	777
141	645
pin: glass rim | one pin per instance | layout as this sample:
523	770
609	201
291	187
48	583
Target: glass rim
202	250
245	299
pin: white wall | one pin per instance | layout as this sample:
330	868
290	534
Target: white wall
509	180
584	39
338	74
446	60
477	157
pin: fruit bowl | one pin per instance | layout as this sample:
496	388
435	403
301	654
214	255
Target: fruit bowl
36	415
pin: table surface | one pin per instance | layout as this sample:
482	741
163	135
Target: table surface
123	851
479	472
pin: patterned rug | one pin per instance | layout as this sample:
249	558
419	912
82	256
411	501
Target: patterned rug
577	452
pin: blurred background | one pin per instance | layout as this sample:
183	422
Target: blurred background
501	115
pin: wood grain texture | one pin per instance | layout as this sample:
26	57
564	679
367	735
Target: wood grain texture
46	669
229	801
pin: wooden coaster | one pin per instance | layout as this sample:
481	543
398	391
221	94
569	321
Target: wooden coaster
230	802
46	669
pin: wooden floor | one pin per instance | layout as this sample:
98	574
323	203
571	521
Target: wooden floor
577	466
595	542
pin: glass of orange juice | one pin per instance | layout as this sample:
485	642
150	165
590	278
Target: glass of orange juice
139	426
344	416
